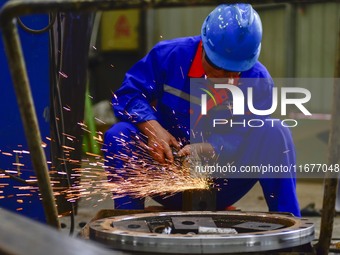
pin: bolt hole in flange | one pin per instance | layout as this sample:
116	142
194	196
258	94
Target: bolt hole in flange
187	222
134	226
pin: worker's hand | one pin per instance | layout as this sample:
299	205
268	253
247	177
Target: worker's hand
160	141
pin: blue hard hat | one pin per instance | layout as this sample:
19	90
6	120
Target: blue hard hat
231	36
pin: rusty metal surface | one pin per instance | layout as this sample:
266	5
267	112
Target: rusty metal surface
19	7
14	8
120	232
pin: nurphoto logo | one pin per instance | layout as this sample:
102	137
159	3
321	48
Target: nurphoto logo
238	105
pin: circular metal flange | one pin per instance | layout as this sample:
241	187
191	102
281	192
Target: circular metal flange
255	232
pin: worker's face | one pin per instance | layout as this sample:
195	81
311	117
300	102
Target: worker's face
214	72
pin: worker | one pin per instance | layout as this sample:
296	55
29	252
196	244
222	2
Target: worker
153	104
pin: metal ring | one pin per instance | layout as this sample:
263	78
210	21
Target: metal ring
114	231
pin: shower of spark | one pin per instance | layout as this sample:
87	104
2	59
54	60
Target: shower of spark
140	176
94	175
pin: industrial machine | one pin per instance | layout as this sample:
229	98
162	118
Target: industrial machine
204	232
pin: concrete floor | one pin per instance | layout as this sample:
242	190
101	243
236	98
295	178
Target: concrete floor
308	192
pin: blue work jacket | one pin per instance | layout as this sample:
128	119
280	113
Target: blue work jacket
158	88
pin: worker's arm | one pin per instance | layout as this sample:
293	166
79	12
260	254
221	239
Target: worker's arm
133	102
142	85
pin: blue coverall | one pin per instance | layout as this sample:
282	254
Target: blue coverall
156	88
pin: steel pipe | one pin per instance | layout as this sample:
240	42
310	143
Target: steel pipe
30	122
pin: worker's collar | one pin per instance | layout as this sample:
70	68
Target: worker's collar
196	69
